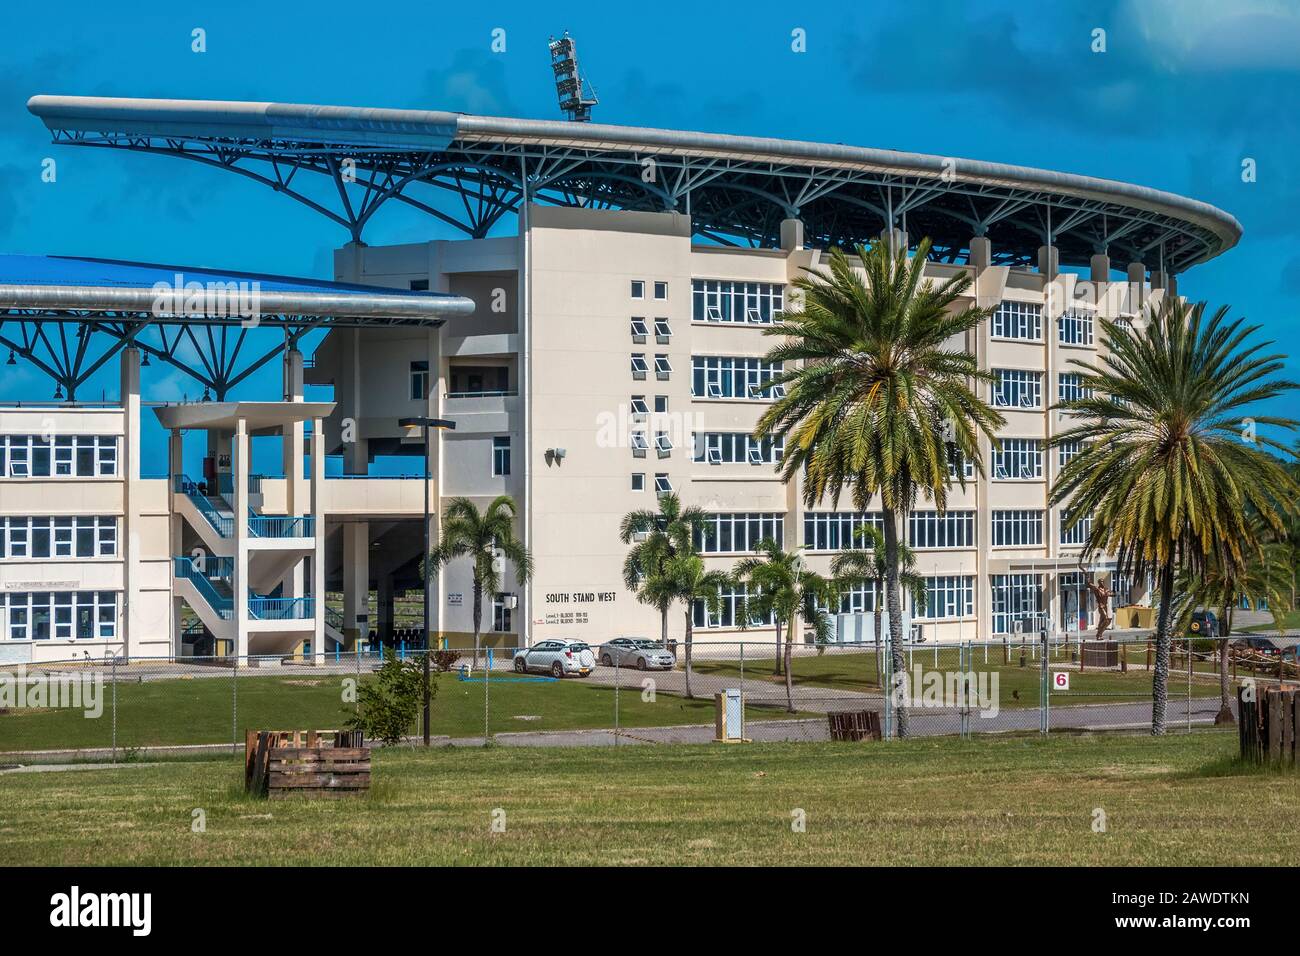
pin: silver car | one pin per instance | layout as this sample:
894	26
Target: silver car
557	657
637	652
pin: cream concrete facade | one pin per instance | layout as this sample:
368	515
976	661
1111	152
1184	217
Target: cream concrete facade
548	364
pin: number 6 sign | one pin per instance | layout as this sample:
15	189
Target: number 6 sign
1060	680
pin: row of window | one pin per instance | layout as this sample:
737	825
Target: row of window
62	615
727	532
1024	321
638	289
663	366
947	597
720	300
1022	388
63	456
839	530
722	448
50	537
663	330
725	376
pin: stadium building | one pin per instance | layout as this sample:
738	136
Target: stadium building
596	337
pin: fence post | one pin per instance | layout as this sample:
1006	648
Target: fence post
617	662
113	667
887	683
487	680
234	705
1044	694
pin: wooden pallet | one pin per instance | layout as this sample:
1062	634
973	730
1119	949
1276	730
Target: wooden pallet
277	763
854	724
1268	724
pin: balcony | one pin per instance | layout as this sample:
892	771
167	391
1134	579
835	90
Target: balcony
281	526
281	609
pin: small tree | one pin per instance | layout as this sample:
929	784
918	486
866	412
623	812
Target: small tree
389	704
662	534
691	582
868	564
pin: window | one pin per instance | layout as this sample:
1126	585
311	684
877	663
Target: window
1077	535
1018	320
730	532
663	444
639	329
948	596
1074	327
50	537
663	331
638	481
663	367
1068	451
661	404
501	611
755	303
957	461
732	602
419	285
737	448
639	367
662	485
952	529
1017	388
638	289
837	530
1017	529
419	380
661	290
859	599
63	615
639	444
1018	459
501	455
1070	387
66	456
724	376
1017	603
639	407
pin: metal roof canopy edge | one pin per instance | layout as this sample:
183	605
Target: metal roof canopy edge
292	126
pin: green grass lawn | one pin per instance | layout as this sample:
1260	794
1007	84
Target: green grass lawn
1291	620
1179	800
201	710
1017	686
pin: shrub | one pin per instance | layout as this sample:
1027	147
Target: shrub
390	703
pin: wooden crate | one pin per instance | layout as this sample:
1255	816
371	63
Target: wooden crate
311	762
854	724
1268	726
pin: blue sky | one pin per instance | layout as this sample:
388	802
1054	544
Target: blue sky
1184	92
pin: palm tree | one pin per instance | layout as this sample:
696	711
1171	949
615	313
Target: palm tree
788	593
480	536
691	582
1265	579
1165	469
866	565
662	535
876	398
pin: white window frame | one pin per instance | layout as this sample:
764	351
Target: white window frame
663	483
640	368
663	367
663	331
639	329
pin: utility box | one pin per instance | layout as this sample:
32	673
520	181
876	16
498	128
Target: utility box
730	717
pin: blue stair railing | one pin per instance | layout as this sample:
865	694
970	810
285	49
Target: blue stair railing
223	524
281	609
281	526
184	567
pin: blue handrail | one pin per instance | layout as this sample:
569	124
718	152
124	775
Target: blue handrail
224	526
281	526
184	567
226	484
281	609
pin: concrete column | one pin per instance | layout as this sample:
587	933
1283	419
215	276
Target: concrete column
1158	279
291	456
900	238
791	234
1173	285
356	453
1137	277
318	552
433	409
981	257
239	501
1100	264
134	627
356	580
1049	261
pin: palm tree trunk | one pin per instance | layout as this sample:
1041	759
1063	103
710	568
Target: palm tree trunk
663	626
894	604
880	616
689	694
1160	679
478	615
789	679
1224	716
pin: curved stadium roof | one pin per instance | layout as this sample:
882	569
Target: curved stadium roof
471	171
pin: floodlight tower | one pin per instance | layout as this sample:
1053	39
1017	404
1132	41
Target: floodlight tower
576	95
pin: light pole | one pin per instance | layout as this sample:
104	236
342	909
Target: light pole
428	424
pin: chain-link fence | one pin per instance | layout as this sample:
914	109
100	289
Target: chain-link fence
625	692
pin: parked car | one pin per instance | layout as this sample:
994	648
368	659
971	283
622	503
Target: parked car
557	657
638	652
1258	645
1204	624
